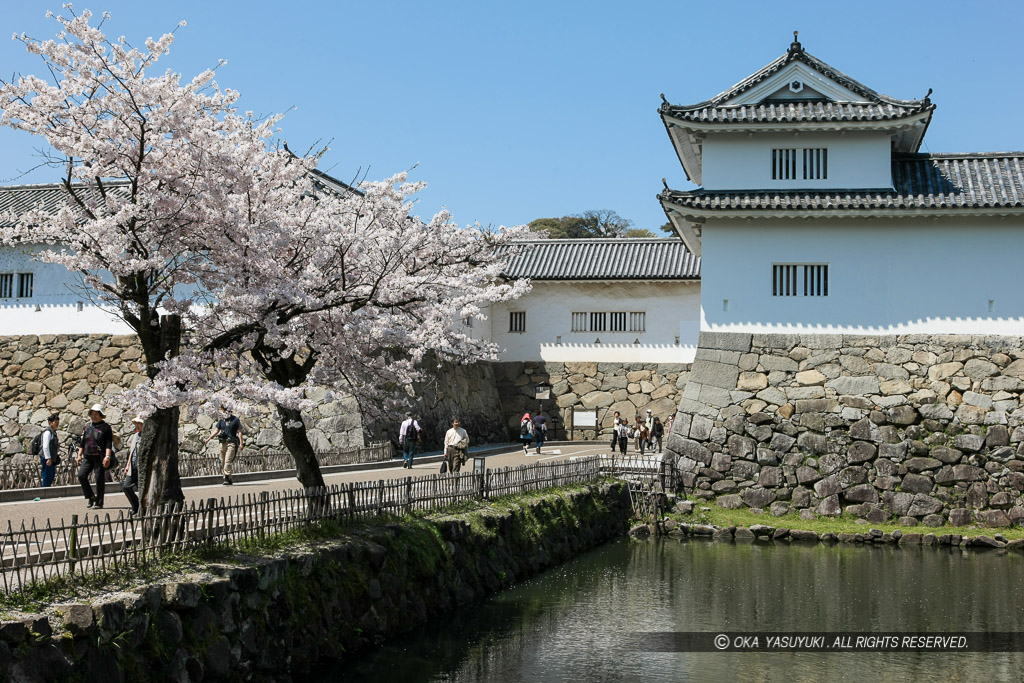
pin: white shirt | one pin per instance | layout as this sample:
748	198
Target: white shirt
456	437
44	450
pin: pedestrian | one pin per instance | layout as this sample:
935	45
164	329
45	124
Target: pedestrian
649	421
615	430
408	435
49	450
641	434
658	432
526	432
668	425
94	456
456	445
540	430
228	431
131	470
623	433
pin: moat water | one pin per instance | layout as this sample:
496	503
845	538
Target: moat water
574	623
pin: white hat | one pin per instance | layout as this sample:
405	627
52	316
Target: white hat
648	410
96	407
138	418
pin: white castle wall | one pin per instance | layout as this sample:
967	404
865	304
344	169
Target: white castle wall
672	308
913	276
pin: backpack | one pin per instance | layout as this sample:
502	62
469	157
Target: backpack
411	433
526	428
37	447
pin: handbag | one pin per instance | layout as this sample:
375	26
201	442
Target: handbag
111	462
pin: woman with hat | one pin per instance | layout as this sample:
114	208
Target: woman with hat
131	470
94	455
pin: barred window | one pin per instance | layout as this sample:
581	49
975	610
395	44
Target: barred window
618	321
816	164
6	285
24	285
812	161
598	322
579	322
784	164
638	322
517	321
795	279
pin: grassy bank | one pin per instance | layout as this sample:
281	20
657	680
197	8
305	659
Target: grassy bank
707	512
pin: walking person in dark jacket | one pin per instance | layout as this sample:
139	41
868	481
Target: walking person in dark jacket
228	431
658	432
94	456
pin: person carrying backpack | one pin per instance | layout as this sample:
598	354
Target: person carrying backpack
408	435
47	446
526	432
540	430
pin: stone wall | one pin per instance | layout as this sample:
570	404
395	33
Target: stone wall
630	388
464	391
66	374
273	618
917	427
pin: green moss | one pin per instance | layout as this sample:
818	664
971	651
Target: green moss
847	524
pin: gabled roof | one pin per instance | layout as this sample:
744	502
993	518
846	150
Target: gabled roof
836	102
602	259
991	183
796	53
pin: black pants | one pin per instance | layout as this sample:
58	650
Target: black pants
129	486
92	464
623	444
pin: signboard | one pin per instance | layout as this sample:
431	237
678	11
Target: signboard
584	418
542	392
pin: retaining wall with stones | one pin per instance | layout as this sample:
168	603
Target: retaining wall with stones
918	427
629	388
274	618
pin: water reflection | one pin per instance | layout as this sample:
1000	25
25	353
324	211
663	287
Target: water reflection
568	623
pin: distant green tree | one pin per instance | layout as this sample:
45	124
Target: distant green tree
638	232
589	224
667	227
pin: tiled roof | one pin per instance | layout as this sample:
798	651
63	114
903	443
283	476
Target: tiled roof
873	107
603	259
786	112
921	182
51	197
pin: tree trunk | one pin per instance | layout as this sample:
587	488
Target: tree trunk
307	467
158	447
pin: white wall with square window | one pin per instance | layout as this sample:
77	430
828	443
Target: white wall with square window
599	321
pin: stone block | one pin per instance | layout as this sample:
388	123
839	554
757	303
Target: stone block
810	378
924	505
756	497
972	443
854	386
969	473
946	455
977	368
861	493
941	371
916	483
922	464
829	486
725	341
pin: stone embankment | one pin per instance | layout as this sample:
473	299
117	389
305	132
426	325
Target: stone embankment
269	618
926	429
629	388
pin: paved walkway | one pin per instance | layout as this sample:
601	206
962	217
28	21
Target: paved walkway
115	502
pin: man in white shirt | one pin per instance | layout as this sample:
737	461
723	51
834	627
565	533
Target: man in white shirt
408	435
456	444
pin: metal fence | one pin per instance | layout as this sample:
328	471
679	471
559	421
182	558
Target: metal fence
30	554
28	475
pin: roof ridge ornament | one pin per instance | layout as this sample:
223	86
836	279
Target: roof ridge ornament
795	47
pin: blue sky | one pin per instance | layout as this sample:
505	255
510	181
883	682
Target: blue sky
520	110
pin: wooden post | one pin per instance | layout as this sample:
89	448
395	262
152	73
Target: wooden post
73	542
408	495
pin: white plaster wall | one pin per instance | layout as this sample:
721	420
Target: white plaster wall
933	276
672	308
738	161
56	294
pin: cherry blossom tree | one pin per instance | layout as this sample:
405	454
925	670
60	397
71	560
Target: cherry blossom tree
150	164
181	210
345	290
